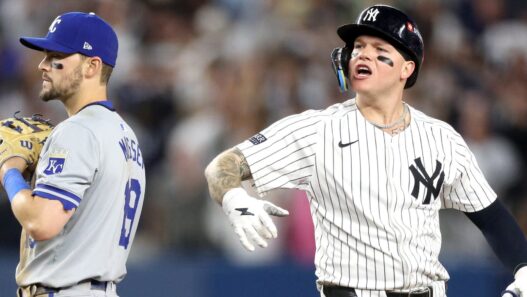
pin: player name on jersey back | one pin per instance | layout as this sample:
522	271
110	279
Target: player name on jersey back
131	151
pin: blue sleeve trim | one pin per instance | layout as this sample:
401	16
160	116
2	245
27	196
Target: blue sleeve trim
65	203
502	233
68	200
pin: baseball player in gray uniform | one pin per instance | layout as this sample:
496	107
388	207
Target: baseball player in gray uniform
376	172
80	218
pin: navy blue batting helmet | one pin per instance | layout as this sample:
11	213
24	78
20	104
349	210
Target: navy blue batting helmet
391	25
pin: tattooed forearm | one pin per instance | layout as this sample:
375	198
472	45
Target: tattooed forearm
225	172
245	171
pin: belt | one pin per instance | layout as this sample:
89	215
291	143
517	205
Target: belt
94	285
426	292
338	291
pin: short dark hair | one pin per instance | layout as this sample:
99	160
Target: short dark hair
106	72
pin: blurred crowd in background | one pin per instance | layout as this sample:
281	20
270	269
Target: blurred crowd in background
195	77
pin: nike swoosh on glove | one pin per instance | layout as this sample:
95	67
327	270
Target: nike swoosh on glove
250	217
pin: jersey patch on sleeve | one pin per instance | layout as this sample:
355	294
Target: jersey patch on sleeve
257	139
56	163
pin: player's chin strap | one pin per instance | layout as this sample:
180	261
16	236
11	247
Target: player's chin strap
340	58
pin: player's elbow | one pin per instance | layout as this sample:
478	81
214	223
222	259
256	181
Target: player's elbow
44	227
209	171
222	165
42	219
40	235
41	231
212	170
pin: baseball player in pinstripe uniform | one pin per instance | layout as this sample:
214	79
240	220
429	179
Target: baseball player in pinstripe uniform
376	172
80	218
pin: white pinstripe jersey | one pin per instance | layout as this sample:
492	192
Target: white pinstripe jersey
374	198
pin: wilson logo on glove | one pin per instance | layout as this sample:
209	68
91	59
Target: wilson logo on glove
26	144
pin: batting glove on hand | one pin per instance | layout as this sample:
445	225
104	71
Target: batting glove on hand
250	217
519	287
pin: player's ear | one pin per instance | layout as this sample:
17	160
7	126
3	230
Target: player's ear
407	69
93	66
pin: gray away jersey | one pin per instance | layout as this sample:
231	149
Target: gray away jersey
92	163
374	198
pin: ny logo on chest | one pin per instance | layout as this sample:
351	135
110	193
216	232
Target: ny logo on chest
421	177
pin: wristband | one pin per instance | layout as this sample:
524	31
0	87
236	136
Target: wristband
14	183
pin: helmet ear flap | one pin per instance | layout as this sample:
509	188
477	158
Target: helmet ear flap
340	58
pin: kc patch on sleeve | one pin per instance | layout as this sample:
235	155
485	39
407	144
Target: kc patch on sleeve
56	163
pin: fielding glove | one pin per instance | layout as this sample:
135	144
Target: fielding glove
23	137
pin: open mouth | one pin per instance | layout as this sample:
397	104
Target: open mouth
363	71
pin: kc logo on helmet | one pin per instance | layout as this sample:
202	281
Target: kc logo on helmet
371	15
53	25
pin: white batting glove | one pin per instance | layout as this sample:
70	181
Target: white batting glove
519	287
250	217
